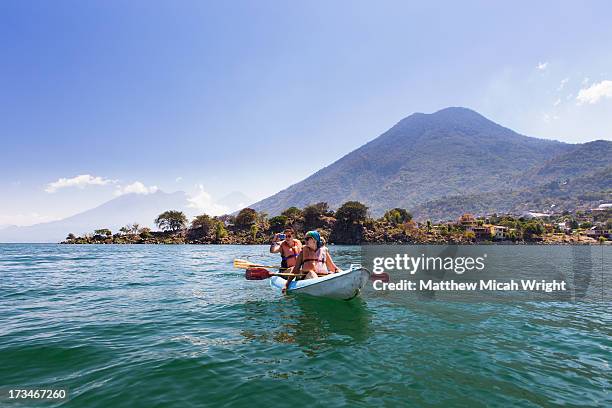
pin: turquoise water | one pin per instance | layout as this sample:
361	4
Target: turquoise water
176	326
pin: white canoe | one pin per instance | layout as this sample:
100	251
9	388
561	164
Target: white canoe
342	285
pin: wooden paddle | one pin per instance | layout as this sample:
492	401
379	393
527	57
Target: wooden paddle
244	264
261	273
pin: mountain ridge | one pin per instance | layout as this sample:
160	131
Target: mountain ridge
422	158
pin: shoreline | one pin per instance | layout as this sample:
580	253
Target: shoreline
351	225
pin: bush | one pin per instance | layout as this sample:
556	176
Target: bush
397	216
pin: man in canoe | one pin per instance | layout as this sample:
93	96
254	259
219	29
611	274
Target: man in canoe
289	248
314	260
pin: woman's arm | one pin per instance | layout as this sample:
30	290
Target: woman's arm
331	266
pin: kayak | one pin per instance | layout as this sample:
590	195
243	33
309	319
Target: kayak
341	285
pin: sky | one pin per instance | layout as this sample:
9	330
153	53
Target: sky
103	98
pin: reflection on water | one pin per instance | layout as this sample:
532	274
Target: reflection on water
321	323
313	324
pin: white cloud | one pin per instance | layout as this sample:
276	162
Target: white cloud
557	102
179	179
80	181
595	92
202	201
137	188
585	81
562	84
542	66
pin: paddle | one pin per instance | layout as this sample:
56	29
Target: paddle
244	264
261	273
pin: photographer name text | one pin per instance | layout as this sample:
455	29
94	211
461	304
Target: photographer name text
481	285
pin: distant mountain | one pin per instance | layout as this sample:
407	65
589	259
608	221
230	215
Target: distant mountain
113	214
582	192
581	159
425	157
234	201
578	179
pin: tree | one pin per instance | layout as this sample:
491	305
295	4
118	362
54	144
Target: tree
313	215
254	230
125	230
349	225
532	229
103	231
352	212
134	228
171	221
70	237
204	223
220	231
278	223
245	218
293	215
397	216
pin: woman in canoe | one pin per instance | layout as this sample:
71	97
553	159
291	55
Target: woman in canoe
314	260
289	248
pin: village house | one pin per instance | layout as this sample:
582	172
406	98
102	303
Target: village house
598	231
500	233
467	222
484	231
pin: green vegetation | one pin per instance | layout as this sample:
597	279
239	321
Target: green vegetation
246	218
351	224
171	221
397	216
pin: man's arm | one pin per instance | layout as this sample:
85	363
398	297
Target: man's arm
275	246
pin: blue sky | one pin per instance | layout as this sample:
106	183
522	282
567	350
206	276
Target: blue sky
209	98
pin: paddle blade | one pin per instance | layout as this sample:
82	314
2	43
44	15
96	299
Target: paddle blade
242	263
256	274
383	277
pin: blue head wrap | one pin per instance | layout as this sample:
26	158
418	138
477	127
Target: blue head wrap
316	236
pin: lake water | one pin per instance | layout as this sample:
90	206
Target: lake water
176	326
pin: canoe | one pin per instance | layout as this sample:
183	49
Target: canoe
342	285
